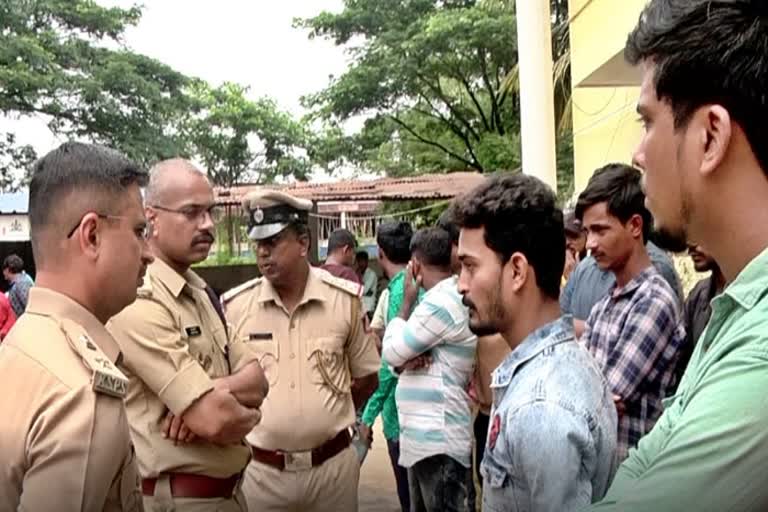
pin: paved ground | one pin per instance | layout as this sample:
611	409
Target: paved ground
377	484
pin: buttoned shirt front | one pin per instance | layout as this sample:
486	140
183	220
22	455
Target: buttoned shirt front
310	356
174	345
552	436
636	334
64	438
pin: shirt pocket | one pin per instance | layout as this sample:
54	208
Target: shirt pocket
328	360
268	353
498	491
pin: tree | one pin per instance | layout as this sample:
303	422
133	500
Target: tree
65	60
240	140
436	81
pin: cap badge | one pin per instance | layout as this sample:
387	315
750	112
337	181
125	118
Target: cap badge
258	215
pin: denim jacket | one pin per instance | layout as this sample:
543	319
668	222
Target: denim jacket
552	437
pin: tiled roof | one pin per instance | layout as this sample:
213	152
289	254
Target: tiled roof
427	186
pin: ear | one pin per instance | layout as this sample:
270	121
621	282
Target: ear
416	266
305	242
717	133
151	215
516	270
635	226
89	235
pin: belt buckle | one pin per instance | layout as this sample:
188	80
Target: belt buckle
298	461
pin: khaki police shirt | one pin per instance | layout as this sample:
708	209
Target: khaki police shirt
309	357
64	438
174	345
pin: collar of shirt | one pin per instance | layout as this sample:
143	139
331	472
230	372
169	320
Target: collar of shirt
538	341
396	280
47	302
313	290
634	283
751	283
174	281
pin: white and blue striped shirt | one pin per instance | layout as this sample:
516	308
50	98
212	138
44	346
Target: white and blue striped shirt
433	405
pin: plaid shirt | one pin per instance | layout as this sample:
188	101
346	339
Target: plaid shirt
635	333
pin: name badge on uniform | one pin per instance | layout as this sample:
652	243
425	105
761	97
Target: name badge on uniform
194	331
260	336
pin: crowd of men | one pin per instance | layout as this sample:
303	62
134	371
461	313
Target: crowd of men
549	357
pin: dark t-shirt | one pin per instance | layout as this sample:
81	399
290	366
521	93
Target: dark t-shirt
342	271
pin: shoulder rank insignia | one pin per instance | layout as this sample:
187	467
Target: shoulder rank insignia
237	290
346	285
107	378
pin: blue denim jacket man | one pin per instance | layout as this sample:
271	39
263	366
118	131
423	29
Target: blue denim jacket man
552	440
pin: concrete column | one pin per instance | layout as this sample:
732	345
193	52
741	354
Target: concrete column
534	46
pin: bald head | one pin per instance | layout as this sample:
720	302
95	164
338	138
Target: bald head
165	175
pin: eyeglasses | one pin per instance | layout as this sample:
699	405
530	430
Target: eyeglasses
142	232
193	213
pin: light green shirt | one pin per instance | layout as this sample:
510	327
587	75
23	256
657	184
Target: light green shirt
709	449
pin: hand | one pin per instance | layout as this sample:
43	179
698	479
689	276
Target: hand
410	291
418	362
366	433
621	407
175	430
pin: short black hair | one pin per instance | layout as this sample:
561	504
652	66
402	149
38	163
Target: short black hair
95	174
13	263
394	239
446	222
618	186
341	238
709	52
433	247
519	214
362	256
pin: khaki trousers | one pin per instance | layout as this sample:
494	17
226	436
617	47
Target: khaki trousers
329	487
162	501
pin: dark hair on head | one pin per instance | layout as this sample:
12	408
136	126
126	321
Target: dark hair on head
362	256
341	238
520	215
96	174
709	52
447	223
394	239
13	263
618	186
433	247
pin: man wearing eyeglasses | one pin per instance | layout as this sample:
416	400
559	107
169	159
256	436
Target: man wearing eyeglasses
64	438
194	393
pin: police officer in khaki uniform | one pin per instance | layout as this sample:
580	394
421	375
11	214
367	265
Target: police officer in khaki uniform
64	438
193	393
307	327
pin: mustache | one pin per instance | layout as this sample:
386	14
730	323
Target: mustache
204	237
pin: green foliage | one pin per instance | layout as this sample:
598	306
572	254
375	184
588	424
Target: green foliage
12	157
437	84
64	59
240	140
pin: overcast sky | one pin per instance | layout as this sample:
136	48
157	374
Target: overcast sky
245	41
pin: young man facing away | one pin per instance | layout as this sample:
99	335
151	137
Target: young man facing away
704	154
552	439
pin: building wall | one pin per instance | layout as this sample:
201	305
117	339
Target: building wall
605	88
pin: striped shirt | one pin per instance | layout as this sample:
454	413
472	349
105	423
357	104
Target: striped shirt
433	405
